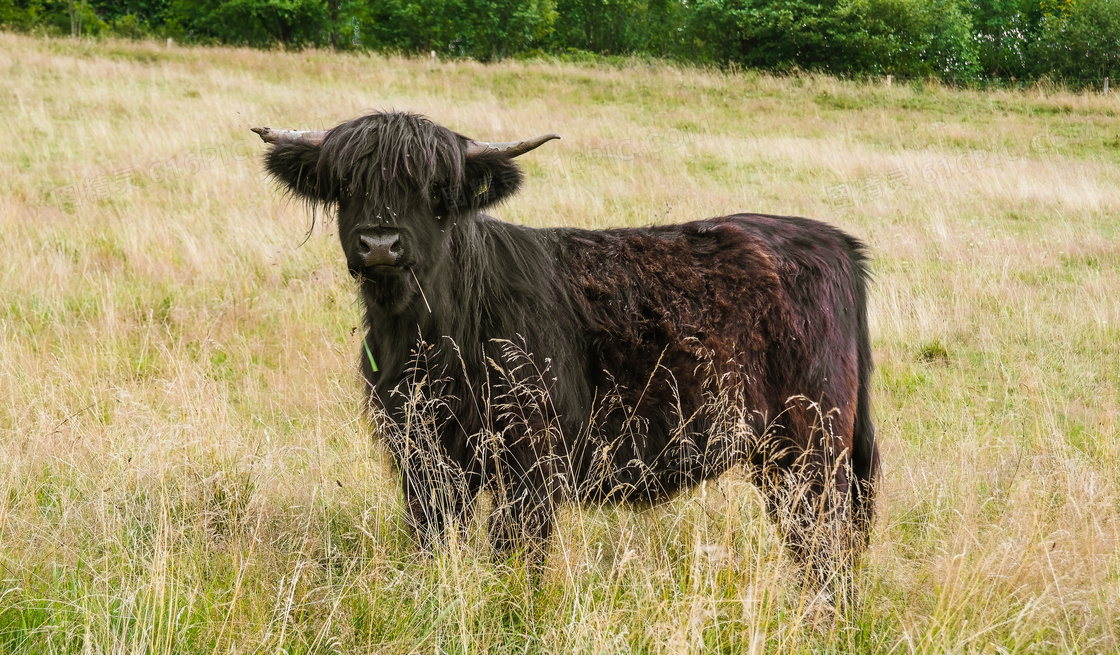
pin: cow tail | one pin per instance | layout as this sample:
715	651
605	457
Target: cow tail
865	452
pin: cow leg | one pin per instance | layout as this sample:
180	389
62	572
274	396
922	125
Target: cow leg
806	493
529	487
438	495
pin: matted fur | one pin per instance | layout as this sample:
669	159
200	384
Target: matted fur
621	365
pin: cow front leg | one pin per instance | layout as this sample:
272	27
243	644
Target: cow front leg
529	487
438	496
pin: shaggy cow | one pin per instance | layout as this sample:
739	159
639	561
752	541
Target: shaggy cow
622	365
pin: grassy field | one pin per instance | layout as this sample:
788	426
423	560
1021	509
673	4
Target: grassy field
183	463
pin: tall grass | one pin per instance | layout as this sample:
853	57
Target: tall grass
185	466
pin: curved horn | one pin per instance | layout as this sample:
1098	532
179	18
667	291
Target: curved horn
511	149
269	135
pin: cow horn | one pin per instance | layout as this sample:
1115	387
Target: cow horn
511	149
269	135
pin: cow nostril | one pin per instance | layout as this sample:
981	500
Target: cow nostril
395	248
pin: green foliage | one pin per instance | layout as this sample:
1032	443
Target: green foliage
482	29
143	11
20	15
901	37
1072	40
619	26
914	38
130	26
1079	40
257	23
1003	32
778	35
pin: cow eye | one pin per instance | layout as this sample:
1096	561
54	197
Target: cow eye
436	203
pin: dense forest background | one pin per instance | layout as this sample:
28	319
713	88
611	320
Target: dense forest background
1073	41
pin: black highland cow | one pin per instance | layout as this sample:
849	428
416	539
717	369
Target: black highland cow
623	365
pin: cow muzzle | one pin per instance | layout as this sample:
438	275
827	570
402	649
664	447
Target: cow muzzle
381	249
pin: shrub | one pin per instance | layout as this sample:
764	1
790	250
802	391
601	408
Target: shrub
129	26
258	23
1080	43
1003	33
777	35
1072	41
901	37
619	26
483	29
20	15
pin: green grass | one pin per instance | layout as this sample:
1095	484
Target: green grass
186	469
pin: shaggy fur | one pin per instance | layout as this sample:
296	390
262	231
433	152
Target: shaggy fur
602	366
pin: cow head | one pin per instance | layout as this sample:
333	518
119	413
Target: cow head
400	184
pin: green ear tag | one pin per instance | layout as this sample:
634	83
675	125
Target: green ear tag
482	189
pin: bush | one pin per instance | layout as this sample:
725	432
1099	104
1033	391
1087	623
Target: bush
20	16
773	34
129	26
258	23
1003	33
619	26
1066	40
1080	44
482	29
77	18
918	39
901	37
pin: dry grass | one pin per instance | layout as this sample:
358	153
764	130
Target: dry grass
184	469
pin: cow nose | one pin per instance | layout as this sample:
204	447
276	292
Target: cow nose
379	249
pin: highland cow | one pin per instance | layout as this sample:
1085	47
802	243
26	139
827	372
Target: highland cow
620	365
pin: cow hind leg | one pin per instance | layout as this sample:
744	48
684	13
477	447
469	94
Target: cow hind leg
807	497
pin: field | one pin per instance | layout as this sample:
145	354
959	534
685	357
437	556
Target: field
185	466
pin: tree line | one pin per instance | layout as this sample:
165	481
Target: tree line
1075	41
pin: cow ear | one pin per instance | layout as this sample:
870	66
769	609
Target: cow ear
488	178
295	163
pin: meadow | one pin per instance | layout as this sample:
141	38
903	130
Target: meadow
185	467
